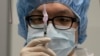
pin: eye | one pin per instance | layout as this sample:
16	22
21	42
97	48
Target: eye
62	21
36	20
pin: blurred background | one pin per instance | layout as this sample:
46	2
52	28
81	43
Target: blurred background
11	43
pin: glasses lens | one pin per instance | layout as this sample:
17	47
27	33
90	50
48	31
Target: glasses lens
36	22
62	22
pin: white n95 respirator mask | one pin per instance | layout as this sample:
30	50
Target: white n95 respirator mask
62	41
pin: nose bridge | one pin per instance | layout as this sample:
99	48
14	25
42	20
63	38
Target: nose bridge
50	20
50	25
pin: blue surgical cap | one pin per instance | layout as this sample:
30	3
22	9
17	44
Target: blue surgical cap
79	7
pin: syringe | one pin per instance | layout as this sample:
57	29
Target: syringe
45	19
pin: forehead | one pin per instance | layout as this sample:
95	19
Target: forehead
54	8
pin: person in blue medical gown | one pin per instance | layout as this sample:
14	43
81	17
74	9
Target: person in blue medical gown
53	27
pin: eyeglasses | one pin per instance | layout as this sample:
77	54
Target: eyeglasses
59	22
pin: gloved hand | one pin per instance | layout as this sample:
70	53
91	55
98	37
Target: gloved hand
34	48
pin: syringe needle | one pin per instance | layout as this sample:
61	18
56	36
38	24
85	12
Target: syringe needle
45	18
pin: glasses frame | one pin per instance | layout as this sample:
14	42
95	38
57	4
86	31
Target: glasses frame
27	18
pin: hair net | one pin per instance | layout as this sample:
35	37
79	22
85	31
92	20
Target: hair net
79	7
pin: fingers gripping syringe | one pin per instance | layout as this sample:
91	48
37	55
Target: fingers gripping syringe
45	19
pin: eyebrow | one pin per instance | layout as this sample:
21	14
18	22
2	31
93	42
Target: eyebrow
60	11
64	11
37	11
